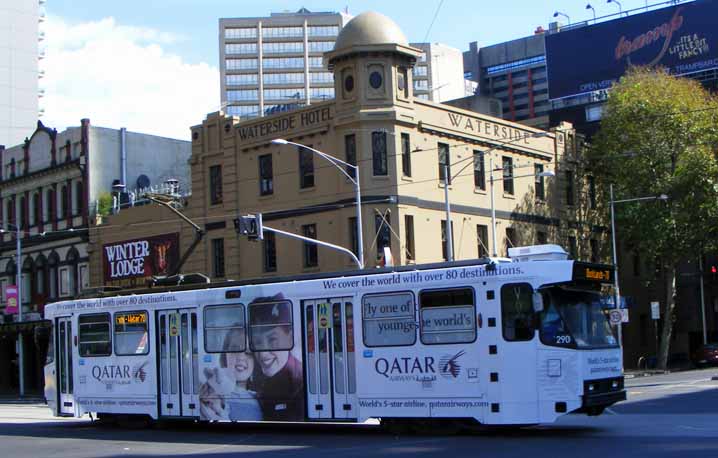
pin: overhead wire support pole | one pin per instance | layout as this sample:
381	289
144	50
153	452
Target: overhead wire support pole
338	163
166	202
21	350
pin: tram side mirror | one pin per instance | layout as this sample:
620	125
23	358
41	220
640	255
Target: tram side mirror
537	301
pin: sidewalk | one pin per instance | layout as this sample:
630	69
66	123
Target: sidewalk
27	399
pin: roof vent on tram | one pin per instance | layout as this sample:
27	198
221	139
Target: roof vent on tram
538	253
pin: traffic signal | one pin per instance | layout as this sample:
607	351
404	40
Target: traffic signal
251	226
714	273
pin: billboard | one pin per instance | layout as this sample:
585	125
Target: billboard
131	262
681	38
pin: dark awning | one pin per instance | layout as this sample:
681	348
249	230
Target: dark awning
23	326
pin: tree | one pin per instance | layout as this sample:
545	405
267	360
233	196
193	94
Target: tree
658	136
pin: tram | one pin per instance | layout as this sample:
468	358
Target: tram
499	341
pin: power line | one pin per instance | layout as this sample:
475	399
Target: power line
436	13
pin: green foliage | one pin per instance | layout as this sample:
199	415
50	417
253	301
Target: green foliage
659	136
104	204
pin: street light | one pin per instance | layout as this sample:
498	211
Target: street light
558	13
589	7
338	163
620	9
617	295
18	271
447	180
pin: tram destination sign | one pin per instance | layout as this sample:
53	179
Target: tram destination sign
594	273
130	263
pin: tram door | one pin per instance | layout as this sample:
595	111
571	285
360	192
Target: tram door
329	353
64	366
178	362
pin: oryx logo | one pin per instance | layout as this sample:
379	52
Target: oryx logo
449	365
139	373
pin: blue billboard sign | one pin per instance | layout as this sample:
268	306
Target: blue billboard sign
681	38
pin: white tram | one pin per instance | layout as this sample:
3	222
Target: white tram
495	341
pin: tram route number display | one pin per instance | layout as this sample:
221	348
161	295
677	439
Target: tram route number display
131	318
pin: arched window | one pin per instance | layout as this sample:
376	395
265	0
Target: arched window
28	280
41	278
63	204
36	215
11	211
72	260
79	200
22	222
50	206
52	262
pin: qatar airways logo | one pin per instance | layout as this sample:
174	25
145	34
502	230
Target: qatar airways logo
663	32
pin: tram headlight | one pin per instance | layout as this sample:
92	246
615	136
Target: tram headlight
614	384
591	387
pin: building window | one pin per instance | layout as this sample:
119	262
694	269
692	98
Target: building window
270	252
11	211
36	214
79	201
510	239
482	239
306	168
539	184
382	226
23	223
239	80
378	153
444	241
409	237
215	185
311	258
572	247
51	204
541	238
353	236
406	155
507	165
479	170
444	163
350	151
594	250
218	258
591	191
569	187
266	175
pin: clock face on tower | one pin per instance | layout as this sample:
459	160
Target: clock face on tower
375	80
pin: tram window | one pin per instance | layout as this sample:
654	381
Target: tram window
517	314
94	335
270	326
448	316
225	329
131	334
388	320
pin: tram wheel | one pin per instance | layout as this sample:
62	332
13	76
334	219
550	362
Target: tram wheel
396	426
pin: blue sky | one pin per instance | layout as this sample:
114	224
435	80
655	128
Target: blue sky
458	23
151	65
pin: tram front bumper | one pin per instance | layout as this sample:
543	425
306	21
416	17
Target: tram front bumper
599	394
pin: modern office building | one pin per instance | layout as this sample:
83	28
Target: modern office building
270	64
19	54
439	73
513	72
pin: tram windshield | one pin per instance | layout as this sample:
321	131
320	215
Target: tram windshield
575	318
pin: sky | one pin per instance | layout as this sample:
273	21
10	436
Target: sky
152	65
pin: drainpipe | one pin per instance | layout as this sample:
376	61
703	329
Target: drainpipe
123	156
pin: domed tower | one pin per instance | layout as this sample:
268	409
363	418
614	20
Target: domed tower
372	63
